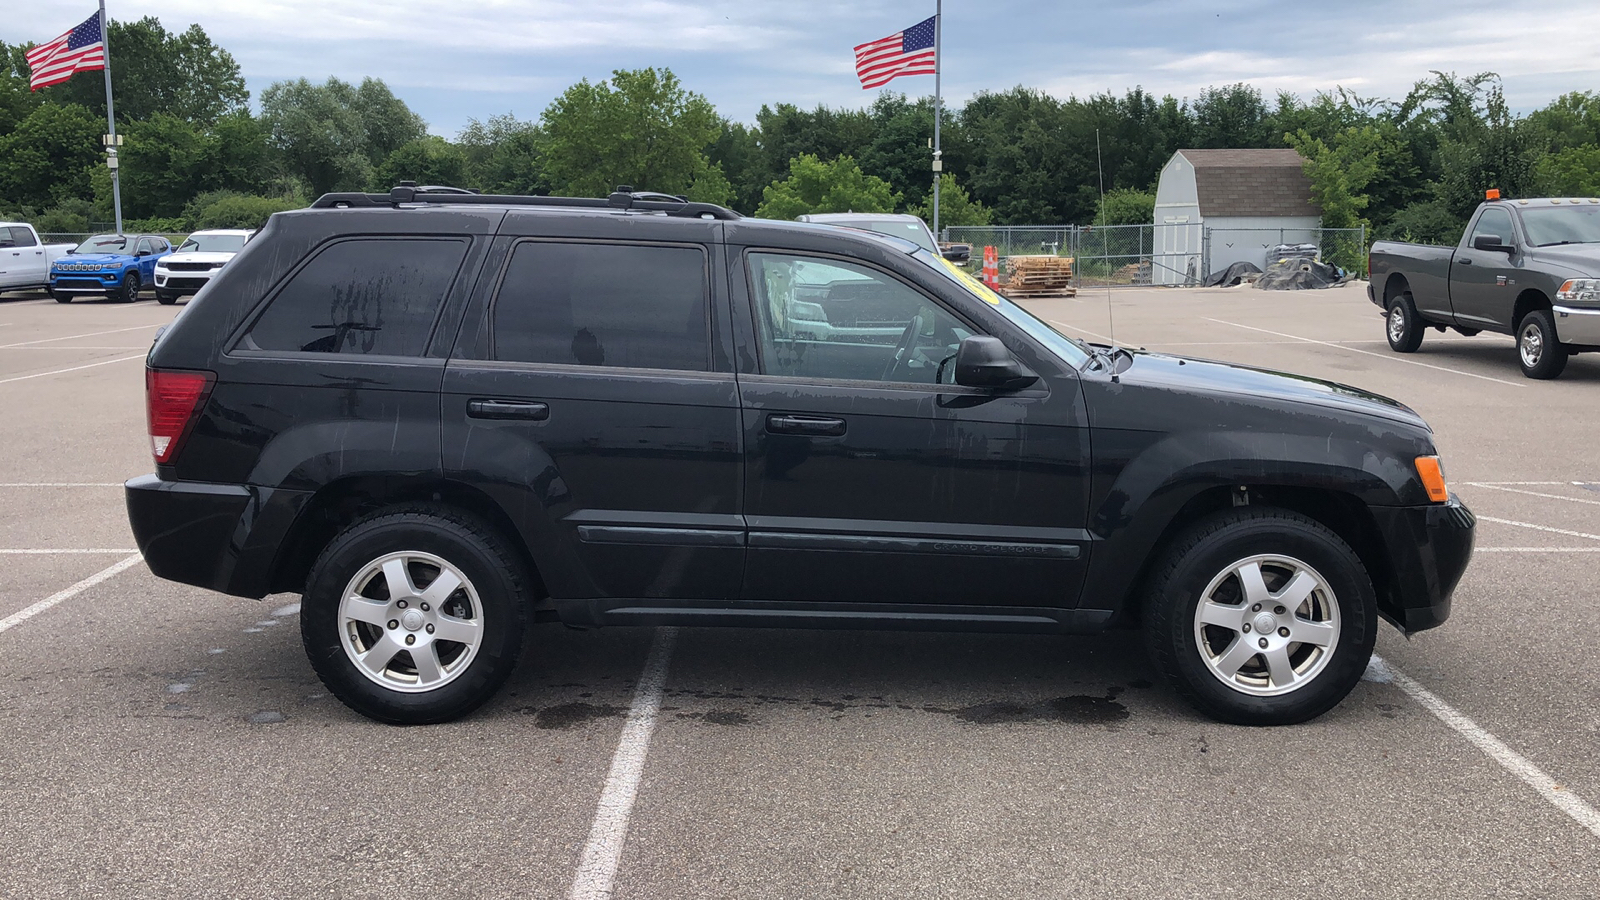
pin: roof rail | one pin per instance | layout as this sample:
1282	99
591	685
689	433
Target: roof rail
623	198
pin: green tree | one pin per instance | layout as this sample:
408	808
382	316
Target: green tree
504	155
241	212
333	135
1573	172
1127	206
164	160
1340	171
48	156
956	206
641	128
814	186
431	160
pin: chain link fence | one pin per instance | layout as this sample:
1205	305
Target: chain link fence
1160	255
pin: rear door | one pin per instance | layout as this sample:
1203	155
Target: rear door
21	258
592	397
1484	283
871	478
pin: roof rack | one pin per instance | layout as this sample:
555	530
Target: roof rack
623	198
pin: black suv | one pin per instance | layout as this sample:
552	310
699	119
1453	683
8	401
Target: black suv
439	416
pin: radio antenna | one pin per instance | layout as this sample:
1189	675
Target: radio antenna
1105	239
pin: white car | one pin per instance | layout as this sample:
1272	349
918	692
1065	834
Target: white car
196	260
24	259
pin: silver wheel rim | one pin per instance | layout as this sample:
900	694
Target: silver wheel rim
1531	345
1397	324
411	622
1267	625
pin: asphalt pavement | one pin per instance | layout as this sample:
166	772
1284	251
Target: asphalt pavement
163	741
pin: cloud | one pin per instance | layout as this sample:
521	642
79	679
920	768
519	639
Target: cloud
452	61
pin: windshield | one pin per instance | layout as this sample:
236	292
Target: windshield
915	232
1554	225
1069	349
105	243
212	243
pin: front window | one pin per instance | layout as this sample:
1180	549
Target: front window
105	243
212	243
1072	351
1555	225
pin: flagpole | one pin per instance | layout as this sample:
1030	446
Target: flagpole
938	64
111	117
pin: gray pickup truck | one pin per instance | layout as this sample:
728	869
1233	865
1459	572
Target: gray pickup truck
1527	268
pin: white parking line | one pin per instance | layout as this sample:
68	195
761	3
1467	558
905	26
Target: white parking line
77	347
1083	330
1536	550
597	868
1388	356
54	484
1512	490
103	362
108	572
1546	528
11	552
1509	759
76	336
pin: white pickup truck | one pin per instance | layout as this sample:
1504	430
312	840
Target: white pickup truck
24	259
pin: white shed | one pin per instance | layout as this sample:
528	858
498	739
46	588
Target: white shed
1218	207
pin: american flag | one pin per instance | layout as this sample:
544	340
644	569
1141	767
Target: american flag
83	49
908	52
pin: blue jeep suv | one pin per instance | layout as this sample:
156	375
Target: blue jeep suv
116	265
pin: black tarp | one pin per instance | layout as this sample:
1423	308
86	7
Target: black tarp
1298	274
1232	275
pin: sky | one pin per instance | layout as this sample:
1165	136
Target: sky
454	60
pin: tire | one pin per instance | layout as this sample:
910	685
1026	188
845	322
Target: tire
166	299
1539	351
1404	327
488	607
1211	560
60	296
129	291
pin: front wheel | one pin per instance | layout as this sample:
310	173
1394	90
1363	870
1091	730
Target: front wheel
1404	328
415	615
129	291
1538	349
166	298
60	296
1261	616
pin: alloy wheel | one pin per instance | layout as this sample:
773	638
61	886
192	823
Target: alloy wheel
410	621
1267	625
1531	345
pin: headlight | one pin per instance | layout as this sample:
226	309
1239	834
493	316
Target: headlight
801	311
1581	290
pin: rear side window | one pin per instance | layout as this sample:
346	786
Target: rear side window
377	296
632	306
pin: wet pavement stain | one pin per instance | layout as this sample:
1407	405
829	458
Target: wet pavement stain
717	717
1075	710
266	717
570	715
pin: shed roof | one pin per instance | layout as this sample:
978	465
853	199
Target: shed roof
1251	183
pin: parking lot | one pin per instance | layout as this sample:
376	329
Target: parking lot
164	741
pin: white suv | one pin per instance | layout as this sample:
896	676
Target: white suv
196	260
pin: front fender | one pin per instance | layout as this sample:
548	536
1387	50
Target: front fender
1145	481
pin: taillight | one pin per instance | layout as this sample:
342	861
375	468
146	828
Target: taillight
171	401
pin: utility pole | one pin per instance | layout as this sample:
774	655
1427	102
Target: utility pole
111	140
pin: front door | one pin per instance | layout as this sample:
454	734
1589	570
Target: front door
872	478
1483	283
590	403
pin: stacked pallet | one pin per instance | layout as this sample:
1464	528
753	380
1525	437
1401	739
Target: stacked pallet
1038	277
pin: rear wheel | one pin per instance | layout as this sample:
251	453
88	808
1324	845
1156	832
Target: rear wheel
1538	349
1404	327
129	291
1261	617
166	298
414	616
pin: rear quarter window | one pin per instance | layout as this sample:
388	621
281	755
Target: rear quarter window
365	296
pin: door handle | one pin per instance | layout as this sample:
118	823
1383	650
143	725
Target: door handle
815	426
1464	262
531	411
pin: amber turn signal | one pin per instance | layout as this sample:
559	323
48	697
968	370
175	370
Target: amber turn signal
1432	475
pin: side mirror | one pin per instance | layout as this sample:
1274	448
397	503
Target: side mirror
982	361
142	253
958	254
1492	243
